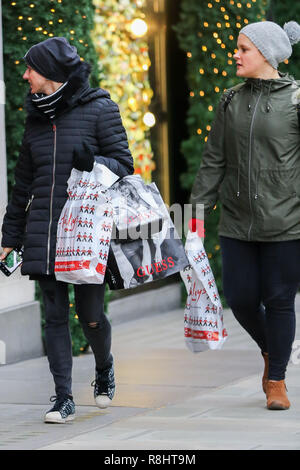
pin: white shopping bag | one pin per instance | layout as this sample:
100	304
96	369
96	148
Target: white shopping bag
203	318
85	227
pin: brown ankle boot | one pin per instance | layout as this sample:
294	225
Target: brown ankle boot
276	395
266	372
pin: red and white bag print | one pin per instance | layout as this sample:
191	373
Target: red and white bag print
203	318
85	227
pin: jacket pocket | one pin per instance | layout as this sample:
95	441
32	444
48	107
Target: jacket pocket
278	201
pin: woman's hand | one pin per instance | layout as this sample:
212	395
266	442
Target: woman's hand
5	252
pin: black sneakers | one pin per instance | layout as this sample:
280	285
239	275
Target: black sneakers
104	387
62	411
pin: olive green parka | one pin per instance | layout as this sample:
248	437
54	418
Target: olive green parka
251	162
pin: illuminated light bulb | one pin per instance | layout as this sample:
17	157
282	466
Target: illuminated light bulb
24	38
215	35
149	119
201	93
206	141
223	46
51	34
192	93
19	28
208	128
32	5
199	131
226	17
13	4
229	54
231	37
229	62
222	9
60	20
45	32
72	31
132	103
17	62
219	41
217	89
219	25
52	10
205	24
50	22
145	67
20	17
224	73
227	25
201	71
210	108
248	5
29	18
204	48
189	54
216	70
138	27
213	56
209	5
246	21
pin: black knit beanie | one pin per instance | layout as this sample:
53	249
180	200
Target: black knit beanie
53	58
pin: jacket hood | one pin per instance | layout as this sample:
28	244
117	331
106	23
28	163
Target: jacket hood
269	86
77	91
275	83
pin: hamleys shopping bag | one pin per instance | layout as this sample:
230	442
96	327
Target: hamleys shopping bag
85	227
203	318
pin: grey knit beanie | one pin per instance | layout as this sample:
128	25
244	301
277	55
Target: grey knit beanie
273	41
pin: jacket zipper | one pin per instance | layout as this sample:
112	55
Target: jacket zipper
250	152
51	201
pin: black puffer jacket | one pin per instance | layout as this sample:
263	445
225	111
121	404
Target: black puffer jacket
46	160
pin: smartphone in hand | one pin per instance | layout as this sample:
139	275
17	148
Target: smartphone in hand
12	261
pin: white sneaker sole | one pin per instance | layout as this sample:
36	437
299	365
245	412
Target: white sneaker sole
55	417
103	401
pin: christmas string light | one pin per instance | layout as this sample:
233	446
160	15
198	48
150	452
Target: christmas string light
121	43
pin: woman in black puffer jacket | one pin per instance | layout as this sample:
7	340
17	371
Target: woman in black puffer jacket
68	125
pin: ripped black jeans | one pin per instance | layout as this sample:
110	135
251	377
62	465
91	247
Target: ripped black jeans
89	300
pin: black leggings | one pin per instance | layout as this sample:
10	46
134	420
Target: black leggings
89	299
260	282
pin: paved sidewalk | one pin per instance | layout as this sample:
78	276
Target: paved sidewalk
167	397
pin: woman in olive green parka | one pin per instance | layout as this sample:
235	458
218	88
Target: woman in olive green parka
251	164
